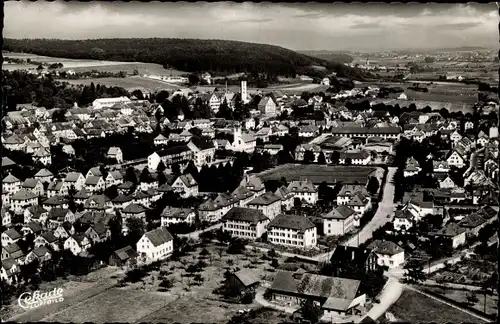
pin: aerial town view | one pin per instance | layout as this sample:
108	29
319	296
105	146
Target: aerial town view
238	163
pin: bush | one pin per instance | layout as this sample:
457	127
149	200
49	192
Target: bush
248	298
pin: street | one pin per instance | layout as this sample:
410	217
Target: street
389	295
385	207
195	235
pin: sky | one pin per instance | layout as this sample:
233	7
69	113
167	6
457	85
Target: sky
298	26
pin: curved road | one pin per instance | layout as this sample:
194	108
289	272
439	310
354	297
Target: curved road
385	207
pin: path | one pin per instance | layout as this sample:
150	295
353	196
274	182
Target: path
389	295
195	235
449	304
385	207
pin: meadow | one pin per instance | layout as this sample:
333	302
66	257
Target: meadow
129	83
414	307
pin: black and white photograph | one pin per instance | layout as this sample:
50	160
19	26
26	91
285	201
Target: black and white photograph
248	163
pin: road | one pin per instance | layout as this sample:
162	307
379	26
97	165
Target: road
385	207
389	295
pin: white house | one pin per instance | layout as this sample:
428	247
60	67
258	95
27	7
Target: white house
11	184
10	236
339	221
243	142
115	153
246	223
456	159
267	106
304	190
388	253
156	244
34	185
114	178
204	151
160	140
22	200
75	180
109	102
186	185
95	184
77	243
293	231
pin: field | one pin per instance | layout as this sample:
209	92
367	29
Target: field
319	173
461	297
114	305
129	83
89	65
414	307
299	87
185	302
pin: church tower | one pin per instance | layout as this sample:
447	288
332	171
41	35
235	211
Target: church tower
244	93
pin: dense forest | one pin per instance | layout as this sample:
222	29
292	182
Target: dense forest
330	56
192	55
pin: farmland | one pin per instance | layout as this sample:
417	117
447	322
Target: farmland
85	65
415	307
129	83
319	173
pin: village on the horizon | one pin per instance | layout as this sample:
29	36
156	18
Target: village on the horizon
319	186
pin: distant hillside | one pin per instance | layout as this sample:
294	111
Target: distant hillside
193	55
330	56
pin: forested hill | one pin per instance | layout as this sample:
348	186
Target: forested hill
330	56
192	55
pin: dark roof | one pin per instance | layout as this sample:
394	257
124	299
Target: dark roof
125	253
265	199
134	209
159	236
339	212
385	247
173	150
247	277
296	222
201	143
251	215
345	253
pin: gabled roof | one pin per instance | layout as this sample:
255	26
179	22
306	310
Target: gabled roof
10	179
451	230
339	212
173	212
159	236
201	144
121	198
55	201
301	186
125	253
30	183
253	216
247	277
23	194
73	176
6	162
134	209
92	180
294	222
385	247
188	180
13	234
265	199
44	173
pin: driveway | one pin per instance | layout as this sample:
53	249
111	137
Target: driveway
385	207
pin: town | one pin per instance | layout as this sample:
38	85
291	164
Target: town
336	201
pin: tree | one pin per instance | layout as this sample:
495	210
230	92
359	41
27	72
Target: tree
161	167
131	176
145	175
373	185
335	157
176	169
308	156
414	273
348	161
135	227
472	298
321	158
193	79
429	59
310	311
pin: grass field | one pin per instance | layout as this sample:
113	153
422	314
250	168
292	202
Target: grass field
461	297
414	307
319	173
129	83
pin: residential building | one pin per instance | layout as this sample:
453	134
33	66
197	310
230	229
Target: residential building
245	223
173	215
304	190
204	151
293	231
339	221
268	203
34	185
22	200
95	184
388	253
156	244
186	185
115	153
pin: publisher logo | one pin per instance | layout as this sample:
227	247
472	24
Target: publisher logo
30	300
